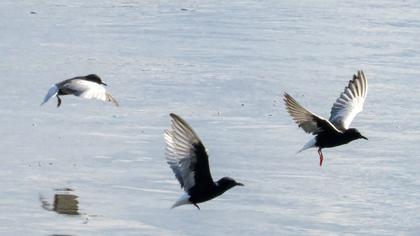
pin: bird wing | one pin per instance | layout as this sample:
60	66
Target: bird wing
307	120
85	89
350	102
51	93
110	98
186	155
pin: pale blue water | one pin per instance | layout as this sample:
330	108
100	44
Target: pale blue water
223	66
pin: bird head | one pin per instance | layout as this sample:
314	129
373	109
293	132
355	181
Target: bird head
94	78
226	183
355	134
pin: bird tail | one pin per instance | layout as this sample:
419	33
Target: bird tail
51	93
310	144
184	199
110	98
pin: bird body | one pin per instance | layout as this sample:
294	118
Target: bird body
328	140
335	131
207	192
188	159
87	87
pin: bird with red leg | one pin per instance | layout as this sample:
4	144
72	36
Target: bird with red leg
336	130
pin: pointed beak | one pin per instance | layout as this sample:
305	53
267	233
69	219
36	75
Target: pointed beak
240	184
104	84
364	137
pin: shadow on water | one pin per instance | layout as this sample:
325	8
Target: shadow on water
64	202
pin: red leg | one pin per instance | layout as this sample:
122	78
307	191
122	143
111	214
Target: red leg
321	157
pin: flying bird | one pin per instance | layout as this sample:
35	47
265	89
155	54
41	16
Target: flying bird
89	86
336	130
187	157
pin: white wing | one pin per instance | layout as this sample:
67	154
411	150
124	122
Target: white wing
51	93
110	98
186	155
85	89
350	102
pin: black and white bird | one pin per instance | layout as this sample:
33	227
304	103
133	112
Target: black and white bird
89	86
336	130
187	157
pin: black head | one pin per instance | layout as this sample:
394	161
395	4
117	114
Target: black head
354	134
94	78
226	183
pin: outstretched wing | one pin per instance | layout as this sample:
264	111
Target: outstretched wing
51	93
85	89
110	98
186	155
350	102
307	120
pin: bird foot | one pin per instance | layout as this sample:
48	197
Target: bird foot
197	206
58	102
321	157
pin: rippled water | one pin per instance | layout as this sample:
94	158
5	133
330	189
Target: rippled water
223	66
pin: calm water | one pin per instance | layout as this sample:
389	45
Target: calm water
223	67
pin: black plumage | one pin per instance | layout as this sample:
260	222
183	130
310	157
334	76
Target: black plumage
335	131
187	157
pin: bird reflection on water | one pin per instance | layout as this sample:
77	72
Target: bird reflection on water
64	202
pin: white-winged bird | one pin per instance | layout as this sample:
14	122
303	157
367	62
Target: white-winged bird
187	157
89	86
335	131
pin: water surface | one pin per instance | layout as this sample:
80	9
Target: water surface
223	66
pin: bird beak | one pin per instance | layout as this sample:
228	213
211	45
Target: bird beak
364	137
104	84
240	184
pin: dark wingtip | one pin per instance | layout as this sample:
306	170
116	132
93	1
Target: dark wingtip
286	97
176	117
